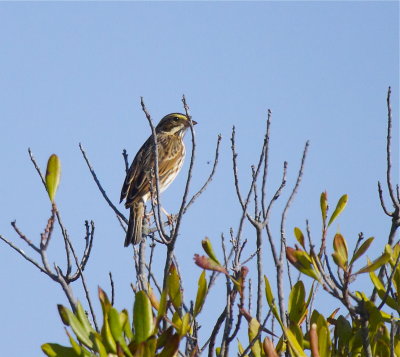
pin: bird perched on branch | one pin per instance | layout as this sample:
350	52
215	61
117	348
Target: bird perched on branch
171	153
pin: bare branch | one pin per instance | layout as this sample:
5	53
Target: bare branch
381	199
126	162
203	188
37	168
117	212
388	152
112	288
23	237
29	259
266	162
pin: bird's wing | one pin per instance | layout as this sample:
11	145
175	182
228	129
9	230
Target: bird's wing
136	181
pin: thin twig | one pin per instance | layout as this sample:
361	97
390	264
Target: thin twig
126	162
115	209
112	288
210	177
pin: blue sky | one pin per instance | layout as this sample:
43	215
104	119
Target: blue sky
74	72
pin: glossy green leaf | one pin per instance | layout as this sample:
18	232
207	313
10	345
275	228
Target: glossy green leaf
362	249
202	290
107	337
100	348
382	291
56	350
295	329
174	287
271	301
297	303
324	206
207	246
71	320
185	325
177	321
294	344
254	327
126	326
339	208
341	252
324	340
377	263
162	309
299	236
302	261
115	324
53	173
143	317
79	349
81	314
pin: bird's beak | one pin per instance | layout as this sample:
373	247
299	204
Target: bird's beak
194	122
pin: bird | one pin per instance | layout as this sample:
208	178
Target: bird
136	189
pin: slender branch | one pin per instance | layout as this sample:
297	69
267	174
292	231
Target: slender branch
115	209
388	152
210	177
266	162
126	162
112	288
23	237
29	259
83	284
390	281
37	167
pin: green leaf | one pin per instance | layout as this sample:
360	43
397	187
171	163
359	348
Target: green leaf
339	208
56	350
143	317
71	320
53	173
324	340
100	348
299	236
324	206
340	248
174	287
302	261
162	309
207	246
81	314
107	337
201	293
382	291
185	325
297	303
377	263
362	249
115	324
254	327
294	344
270	300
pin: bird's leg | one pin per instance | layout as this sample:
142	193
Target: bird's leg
170	217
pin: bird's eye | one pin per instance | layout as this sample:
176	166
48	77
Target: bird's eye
176	119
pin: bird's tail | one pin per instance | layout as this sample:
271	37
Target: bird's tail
134	232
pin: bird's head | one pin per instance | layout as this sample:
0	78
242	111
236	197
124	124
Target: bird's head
174	123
